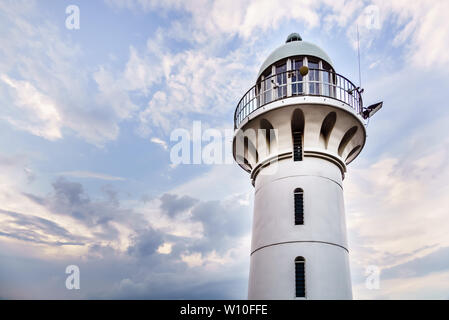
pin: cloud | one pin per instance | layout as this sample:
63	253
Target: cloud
436	261
147	256
195	83
160	142
212	18
146	243
37	112
424	30
35	229
223	222
112	94
397	201
46	86
90	175
200	79
172	204
102	220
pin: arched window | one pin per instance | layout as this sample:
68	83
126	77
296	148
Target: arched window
250	151
299	206
353	151
268	134
345	140
300	277
327	126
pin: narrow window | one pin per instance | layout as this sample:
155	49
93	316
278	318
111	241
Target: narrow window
300	277
299	206
297	125
297	146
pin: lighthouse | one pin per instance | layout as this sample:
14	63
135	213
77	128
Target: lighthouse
296	131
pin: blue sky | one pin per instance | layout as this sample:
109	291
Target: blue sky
86	117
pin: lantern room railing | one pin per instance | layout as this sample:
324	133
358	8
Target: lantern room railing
317	82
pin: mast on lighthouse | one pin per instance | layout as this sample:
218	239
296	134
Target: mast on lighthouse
296	130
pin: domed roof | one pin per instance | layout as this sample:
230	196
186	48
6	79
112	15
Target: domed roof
294	46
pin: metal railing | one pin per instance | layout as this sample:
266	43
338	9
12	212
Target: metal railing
317	82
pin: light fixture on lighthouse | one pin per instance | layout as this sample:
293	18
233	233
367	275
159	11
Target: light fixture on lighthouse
371	110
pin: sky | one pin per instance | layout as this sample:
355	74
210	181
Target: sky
87	118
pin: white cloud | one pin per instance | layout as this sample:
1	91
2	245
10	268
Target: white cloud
90	175
420	29
112	94
140	73
216	18
193	260
432	286
196	83
237	182
37	112
160	142
200	81
165	248
47	66
397	208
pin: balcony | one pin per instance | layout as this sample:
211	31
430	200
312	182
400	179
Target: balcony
317	82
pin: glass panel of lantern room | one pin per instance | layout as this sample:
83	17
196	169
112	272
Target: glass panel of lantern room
297	77
266	87
326	76
332	83
281	80
314	77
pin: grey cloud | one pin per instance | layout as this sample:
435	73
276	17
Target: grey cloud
146	243
69	198
195	286
35	229
113	277
223	222
436	261
139	272
34	198
11	161
146	198
71	193
173	204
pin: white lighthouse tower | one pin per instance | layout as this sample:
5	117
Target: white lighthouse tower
296	131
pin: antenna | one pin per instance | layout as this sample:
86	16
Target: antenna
358	55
